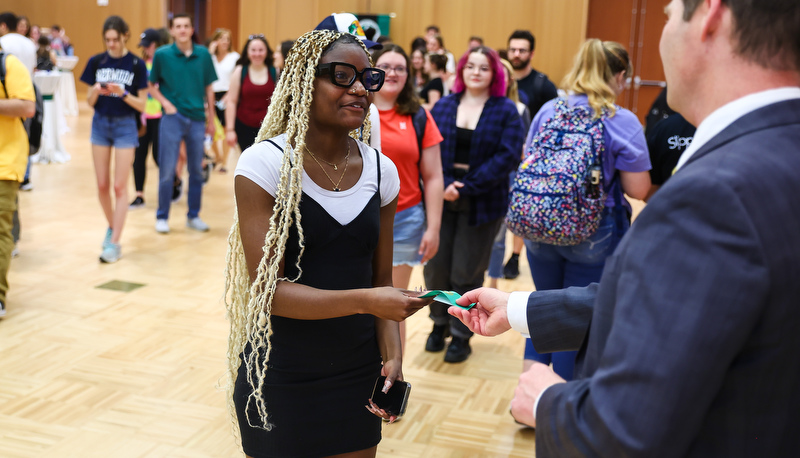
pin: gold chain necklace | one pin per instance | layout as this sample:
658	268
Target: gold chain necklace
335	166
344	172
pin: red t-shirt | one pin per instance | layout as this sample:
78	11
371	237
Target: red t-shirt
399	143
254	101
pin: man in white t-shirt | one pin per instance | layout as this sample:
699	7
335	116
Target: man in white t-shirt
16	44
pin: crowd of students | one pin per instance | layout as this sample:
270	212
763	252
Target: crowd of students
452	135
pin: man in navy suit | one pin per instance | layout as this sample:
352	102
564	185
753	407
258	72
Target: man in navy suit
689	344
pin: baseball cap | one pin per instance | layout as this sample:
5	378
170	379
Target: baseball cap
149	36
347	23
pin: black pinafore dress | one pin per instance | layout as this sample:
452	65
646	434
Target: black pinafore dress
321	372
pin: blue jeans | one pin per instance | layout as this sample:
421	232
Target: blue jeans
173	129
498	253
409	227
499	245
116	131
558	267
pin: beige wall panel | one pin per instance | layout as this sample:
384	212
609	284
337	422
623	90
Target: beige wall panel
559	25
256	17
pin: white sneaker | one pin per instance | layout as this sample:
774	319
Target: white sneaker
111	253
162	226
2	309
197	224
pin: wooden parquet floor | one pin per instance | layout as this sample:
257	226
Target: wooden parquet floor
92	372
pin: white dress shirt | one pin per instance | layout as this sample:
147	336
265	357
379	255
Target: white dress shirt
727	114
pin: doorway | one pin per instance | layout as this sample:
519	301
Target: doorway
636	24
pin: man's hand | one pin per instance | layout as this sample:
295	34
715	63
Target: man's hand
531	384
488	317
169	108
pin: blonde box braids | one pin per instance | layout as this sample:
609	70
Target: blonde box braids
249	303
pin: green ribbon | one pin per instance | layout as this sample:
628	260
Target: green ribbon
47	97
446	297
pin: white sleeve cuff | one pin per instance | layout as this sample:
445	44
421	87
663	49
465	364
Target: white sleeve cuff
517	312
536	404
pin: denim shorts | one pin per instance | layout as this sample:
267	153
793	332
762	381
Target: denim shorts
117	131
409	226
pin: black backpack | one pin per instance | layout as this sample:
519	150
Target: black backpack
35	128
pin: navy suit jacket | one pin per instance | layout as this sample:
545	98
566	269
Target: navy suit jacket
690	344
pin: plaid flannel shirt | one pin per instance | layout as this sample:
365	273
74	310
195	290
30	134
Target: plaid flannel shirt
495	151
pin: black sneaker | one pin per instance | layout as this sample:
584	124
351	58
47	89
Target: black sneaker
436	338
458	350
511	269
177	187
138	202
207	170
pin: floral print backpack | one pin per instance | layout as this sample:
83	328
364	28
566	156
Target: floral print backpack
558	195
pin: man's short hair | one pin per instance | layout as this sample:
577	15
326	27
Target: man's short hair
765	30
476	38
435	28
10	20
524	35
180	15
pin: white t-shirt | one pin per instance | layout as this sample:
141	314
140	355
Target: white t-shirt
261	164
224	70
23	48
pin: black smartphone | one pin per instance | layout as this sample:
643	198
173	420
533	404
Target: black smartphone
104	85
395	400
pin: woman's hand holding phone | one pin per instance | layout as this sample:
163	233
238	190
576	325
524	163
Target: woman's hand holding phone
109	89
389	403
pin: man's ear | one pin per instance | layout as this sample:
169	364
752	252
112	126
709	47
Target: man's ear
713	13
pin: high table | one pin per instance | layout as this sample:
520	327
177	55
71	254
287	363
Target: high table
66	92
51	149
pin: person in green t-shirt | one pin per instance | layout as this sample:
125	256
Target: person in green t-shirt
180	80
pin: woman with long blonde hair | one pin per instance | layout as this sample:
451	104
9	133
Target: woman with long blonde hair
312	312
597	77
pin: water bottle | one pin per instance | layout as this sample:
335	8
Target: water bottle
207	142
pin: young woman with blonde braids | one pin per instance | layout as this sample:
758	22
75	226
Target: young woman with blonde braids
308	282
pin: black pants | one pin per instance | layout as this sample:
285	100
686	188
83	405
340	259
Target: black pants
461	261
150	137
245	134
220	112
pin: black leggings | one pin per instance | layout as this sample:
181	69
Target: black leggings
220	113
245	134
140	160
